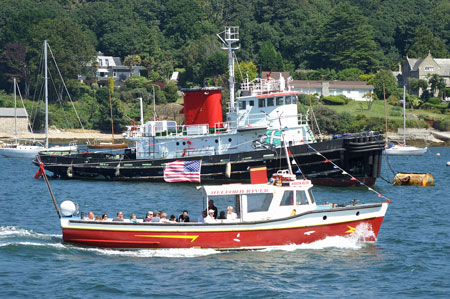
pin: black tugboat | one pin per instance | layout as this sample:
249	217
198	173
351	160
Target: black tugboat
262	118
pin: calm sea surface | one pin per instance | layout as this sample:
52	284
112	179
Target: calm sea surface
410	259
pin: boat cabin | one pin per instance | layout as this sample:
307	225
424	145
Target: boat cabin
260	202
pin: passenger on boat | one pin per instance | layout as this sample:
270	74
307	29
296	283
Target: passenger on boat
90	216
97	218
172	218
156	217
133	218
104	217
210	218
201	219
119	216
230	214
148	217
222	215
183	217
164	218
211	206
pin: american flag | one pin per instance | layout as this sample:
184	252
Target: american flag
183	171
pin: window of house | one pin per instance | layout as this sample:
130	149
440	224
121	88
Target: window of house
102	74
100	62
261	102
107	62
429	68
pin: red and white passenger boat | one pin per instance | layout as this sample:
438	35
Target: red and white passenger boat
281	212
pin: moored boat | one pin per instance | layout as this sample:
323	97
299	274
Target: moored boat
249	136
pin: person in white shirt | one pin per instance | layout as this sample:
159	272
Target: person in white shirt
230	214
210	218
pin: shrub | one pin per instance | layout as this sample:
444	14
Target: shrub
444	125
434	101
333	100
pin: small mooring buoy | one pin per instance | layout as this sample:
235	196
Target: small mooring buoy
413	179
448	163
438	154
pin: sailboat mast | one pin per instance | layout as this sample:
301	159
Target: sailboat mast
15	108
404	115
46	93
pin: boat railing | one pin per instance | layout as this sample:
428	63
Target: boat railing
253	120
261	86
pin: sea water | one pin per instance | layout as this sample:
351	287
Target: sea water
411	257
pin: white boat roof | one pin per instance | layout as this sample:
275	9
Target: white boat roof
237	189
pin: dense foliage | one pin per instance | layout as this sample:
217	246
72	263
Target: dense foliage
338	40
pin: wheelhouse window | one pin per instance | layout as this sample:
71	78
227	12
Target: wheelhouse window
288	198
280	101
301	198
311	195
294	99
287	100
270	102
242	105
261	102
251	103
259	202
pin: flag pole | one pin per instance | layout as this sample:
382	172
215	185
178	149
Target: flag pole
41	168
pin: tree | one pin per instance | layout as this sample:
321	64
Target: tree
244	70
132	60
386	79
350	74
424	42
437	83
171	92
270	59
347	41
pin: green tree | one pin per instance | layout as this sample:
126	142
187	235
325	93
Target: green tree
245	69
132	60
347	41
437	84
425	42
350	74
269	58
387	80
171	92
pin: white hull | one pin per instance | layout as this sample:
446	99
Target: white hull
30	151
21	151
406	150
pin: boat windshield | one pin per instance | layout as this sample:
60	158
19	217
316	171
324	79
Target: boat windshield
301	198
311	195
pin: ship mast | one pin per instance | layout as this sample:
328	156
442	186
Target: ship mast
230	36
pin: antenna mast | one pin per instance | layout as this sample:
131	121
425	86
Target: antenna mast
230	36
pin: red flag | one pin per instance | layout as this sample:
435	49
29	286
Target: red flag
40	171
326	161
289	153
352	179
379	195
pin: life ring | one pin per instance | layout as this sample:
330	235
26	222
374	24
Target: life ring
70	171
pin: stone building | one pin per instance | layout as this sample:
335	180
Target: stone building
10	120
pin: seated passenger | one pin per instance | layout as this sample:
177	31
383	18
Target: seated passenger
148	217
133	218
230	214
183	217
201	219
172	218
222	215
210	218
104	217
90	216
156	217
164	218
97	218
119	216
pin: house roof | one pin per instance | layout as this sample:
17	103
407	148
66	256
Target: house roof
332	84
9	112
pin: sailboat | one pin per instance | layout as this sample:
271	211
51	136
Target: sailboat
18	150
402	149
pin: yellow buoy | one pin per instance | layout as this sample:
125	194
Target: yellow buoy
417	179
